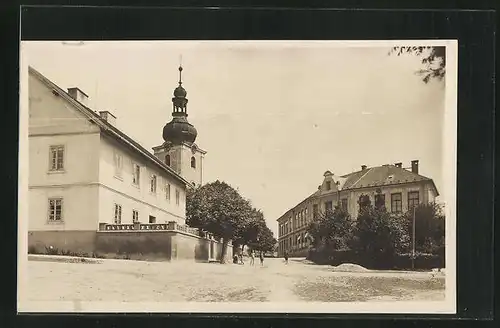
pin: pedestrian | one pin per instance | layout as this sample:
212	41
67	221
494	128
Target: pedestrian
252	257
286	257
241	258
261	257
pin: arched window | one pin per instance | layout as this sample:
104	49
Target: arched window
193	162
167	160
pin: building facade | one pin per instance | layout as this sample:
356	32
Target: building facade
399	188
86	176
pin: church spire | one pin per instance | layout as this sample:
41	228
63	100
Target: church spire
179	130
179	100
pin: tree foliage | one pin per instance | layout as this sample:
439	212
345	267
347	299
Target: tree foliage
255	233
433	58
429	227
332	229
218	208
376	231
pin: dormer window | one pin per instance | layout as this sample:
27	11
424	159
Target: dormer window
193	162
328	185
167	160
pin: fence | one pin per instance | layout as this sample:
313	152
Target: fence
144	227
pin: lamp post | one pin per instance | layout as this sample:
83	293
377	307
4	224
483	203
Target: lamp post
413	241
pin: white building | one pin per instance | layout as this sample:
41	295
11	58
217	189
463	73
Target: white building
83	171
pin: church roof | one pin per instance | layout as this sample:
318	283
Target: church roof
108	128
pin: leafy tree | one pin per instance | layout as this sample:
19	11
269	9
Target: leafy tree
433	59
429	227
218	208
332	229
265	241
256	234
376	231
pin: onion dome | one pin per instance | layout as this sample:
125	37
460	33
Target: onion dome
179	130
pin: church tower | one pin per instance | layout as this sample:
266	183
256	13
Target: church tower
179	150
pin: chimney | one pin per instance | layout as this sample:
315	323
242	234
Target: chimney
78	95
414	166
108	117
400	165
363	167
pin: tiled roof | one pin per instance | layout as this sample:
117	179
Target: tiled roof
381	176
373	177
107	127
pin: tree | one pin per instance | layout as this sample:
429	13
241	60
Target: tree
429	227
378	232
256	234
332	229
219	209
265	241
433	58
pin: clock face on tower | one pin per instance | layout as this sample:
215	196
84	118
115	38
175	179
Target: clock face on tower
194	149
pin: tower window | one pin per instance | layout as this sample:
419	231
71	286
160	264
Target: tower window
193	162
167	160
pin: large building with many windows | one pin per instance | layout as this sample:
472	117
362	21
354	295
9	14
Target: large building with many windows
399	188
85	173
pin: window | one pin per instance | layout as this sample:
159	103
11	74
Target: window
177	197
118	214
343	204
56	158
315	211
167	191
193	162
55	209
167	160
152	184
396	203
328	206
152	219
379	200
135	216
118	164
413	199
136	177
328	185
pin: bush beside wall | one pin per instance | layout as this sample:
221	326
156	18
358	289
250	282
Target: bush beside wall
380	261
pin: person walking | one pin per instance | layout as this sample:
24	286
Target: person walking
261	257
252	257
286	257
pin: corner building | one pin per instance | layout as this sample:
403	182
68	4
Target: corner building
400	189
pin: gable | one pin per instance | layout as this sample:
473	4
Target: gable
50	114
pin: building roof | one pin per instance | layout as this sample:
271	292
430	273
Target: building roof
108	128
377	176
382	176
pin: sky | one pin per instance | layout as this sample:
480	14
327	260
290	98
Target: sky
272	116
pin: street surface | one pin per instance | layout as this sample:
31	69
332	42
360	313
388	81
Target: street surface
137	281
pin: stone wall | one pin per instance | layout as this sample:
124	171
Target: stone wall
158	245
74	241
137	245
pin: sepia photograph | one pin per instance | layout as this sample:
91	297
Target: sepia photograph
237	176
